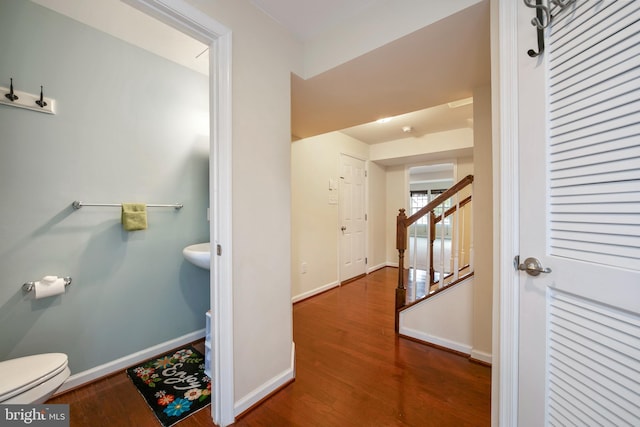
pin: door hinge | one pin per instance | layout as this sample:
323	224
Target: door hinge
365	217
218	250
365	174
366	260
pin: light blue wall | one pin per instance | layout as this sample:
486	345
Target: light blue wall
128	128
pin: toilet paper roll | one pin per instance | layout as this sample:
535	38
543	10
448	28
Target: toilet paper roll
44	289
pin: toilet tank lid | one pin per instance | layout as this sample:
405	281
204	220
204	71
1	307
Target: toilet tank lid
24	373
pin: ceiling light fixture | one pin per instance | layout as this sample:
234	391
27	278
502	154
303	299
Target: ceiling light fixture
460	103
384	120
407	129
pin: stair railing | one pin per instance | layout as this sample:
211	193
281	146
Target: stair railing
459	249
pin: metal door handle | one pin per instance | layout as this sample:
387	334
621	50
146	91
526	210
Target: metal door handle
343	228
532	266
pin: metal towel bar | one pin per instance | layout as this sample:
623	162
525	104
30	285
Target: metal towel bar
78	204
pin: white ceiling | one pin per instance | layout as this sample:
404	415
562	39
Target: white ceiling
309	18
419	73
429	120
122	21
437	64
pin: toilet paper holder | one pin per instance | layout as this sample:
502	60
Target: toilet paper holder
28	286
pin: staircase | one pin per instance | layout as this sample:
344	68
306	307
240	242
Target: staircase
436	254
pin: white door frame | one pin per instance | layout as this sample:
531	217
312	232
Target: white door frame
504	78
184	17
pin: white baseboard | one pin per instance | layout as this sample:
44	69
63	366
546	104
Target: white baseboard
313	292
481	356
268	387
442	342
331	285
84	377
376	267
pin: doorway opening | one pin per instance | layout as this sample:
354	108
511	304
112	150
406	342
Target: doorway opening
187	19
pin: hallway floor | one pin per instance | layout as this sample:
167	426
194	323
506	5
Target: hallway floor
351	370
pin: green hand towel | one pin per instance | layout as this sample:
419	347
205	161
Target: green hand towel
134	216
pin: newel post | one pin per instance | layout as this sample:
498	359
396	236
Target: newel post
401	245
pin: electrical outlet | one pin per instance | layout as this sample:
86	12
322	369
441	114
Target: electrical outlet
303	268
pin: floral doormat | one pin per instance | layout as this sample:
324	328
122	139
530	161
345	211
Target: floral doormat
174	384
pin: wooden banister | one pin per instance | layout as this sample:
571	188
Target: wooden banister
439	200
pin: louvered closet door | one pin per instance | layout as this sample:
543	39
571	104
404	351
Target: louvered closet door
579	186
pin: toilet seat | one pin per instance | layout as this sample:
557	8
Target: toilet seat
41	371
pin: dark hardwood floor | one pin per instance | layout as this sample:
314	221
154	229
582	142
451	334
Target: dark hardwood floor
351	370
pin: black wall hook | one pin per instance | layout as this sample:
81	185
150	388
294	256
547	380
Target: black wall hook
11	96
41	102
543	19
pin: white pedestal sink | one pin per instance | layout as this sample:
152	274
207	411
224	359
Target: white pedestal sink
198	255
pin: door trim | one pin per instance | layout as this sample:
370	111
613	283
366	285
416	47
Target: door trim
504	48
197	24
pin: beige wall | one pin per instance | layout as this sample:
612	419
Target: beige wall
397	198
377	217
445	320
315	161
263	56
483	222
464	167
266	185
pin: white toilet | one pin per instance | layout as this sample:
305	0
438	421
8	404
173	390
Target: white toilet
32	379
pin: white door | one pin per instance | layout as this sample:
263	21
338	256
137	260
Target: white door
579	189
352	218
